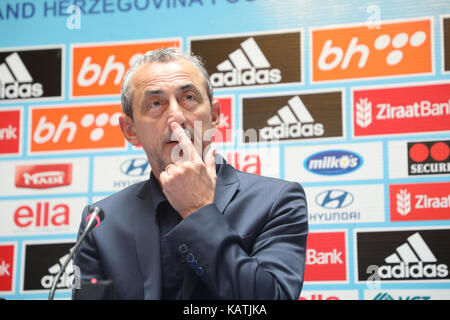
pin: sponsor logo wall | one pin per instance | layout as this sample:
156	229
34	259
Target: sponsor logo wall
356	108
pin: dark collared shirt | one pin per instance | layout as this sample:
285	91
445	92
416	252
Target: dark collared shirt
171	261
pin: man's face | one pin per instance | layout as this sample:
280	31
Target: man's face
163	93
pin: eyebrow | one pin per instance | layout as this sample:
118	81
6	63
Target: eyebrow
182	88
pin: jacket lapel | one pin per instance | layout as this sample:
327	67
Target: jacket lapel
226	186
146	232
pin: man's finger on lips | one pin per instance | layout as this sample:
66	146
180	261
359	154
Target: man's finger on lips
210	159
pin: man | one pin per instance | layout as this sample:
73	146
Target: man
198	228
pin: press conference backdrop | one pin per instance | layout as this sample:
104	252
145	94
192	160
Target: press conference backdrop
349	98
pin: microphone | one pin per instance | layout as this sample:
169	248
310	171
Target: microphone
95	217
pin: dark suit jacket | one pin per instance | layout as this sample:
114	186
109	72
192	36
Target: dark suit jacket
249	244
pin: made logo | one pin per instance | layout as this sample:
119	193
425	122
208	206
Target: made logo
423	201
414	255
43	176
251	60
69	128
326	257
42	262
361	52
406	109
429	157
31	74
304	116
98	70
333	162
10	131
7	267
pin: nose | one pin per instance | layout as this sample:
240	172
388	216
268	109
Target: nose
176	114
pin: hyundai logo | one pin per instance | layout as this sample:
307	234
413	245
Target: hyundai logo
334	199
136	167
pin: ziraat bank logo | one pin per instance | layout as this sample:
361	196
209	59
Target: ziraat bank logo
333	162
98	69
43	176
7	267
251	60
303	116
31	73
406	109
42	263
429	157
410	255
10	131
340	53
326	257
422	201
78	127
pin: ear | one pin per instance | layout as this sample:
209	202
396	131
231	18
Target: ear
215	113
129	130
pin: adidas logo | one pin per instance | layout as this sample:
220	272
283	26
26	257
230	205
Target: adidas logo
291	121
413	260
245	66
65	281
16	81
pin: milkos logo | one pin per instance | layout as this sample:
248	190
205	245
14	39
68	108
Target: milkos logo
99	69
67	128
406	109
360	52
7	267
326	257
333	162
423	201
43	176
10	131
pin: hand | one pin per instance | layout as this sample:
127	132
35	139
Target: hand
190	183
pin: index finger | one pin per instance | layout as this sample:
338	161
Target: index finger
185	143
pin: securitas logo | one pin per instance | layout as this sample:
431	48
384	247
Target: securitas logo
43	176
423	201
333	162
406	109
305	116
251	60
69	128
31	74
429	157
361	52
414	255
98	70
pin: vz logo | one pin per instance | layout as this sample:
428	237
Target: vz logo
136	167
334	199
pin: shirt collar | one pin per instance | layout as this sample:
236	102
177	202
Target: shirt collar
155	191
